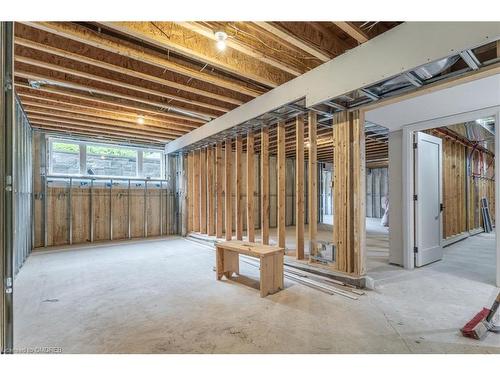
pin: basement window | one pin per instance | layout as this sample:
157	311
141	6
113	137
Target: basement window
106	160
82	158
152	164
64	157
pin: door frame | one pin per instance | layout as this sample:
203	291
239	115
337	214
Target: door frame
408	178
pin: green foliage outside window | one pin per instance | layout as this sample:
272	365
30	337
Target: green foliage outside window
111	151
65	147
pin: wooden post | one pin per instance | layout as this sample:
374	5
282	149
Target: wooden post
210	192
190	166
299	187
203	191
281	185
239	173
196	199
264	184
250	187
229	191
313	177
349	188
218	189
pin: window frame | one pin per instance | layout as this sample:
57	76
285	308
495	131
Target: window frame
82	160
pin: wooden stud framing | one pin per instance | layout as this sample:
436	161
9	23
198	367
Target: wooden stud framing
250	187
190	191
349	200
196	192
210	192
203	190
239	175
264	184
299	187
218	189
228	190
312	181
281	185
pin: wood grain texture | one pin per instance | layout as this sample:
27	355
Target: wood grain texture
228	190
299	188
281	185
264	187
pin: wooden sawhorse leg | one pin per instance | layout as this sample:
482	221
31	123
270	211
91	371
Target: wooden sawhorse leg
227	262
271	274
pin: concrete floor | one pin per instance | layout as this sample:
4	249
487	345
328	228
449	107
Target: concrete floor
162	297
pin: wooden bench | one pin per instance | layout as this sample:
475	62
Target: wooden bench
271	263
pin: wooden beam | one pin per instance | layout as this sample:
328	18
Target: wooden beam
237	45
42	113
196	200
281	185
294	40
92	101
89	129
299	187
239	187
210	192
54	120
40	105
312	181
189	44
203	190
190	191
77	86
353	31
71	31
218	189
250	187
264	184
228	189
113	84
126	71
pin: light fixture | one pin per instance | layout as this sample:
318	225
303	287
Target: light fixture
220	37
140	120
35	84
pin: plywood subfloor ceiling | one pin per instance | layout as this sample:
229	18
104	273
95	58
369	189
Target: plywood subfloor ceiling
152	82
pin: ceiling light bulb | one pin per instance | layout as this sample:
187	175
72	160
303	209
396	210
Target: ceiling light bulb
221	45
220	37
140	120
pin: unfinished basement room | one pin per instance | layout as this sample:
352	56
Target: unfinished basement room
249	187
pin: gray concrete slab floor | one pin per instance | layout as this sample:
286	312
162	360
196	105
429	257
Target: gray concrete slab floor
162	297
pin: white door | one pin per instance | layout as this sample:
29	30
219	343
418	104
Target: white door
428	199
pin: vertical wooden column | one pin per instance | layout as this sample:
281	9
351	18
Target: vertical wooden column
196	195
239	174
312	181
250	187
264	184
349	188
281	184
210	192
229	190
190	171
299	187
219	176
203	190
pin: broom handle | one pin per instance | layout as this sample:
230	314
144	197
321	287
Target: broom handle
494	308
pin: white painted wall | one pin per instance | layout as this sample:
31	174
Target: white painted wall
467	97
395	198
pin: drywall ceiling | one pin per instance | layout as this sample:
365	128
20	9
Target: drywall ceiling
471	96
